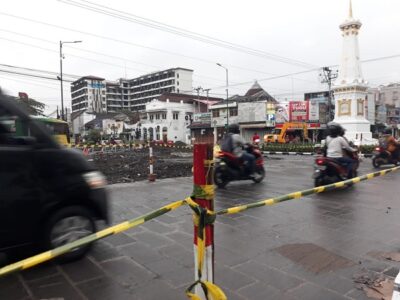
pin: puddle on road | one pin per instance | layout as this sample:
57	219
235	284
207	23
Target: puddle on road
314	258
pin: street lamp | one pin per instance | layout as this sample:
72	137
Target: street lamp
61	76
227	103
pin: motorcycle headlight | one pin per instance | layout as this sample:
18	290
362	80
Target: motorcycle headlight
95	179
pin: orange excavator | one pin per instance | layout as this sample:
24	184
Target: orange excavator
280	135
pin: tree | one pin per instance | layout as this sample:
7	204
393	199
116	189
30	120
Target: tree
94	135
29	105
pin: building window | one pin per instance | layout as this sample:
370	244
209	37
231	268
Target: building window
164	116
177	75
233	112
151	117
175	116
157	116
177	83
215	113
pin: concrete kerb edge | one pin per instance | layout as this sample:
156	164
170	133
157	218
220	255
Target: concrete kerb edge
301	153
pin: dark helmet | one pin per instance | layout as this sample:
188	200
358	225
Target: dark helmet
387	131
233	128
335	129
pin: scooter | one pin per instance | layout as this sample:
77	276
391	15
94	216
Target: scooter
383	157
328	170
229	168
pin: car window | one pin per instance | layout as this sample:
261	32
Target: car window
14	129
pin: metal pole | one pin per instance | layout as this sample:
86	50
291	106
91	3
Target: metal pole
227	102
152	176
61	80
61	76
203	194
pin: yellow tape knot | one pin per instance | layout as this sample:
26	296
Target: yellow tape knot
211	290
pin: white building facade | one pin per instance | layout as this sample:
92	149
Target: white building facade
166	121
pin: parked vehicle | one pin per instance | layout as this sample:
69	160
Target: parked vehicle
230	168
328	170
49	195
383	157
281	134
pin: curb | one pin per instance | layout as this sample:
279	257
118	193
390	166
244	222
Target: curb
302	153
287	153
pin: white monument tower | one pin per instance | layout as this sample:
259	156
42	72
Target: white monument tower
350	88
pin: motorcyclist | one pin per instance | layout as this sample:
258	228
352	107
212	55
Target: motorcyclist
335	144
391	145
235	144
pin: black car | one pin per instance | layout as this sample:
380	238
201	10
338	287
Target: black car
49	195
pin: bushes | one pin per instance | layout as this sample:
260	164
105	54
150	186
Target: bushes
289	147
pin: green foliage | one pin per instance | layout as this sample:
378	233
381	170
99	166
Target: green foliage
93	136
30	106
289	147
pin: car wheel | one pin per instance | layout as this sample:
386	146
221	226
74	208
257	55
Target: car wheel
67	225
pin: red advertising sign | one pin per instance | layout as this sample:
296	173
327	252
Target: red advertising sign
298	111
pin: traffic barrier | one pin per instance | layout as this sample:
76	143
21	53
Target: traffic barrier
287	153
204	217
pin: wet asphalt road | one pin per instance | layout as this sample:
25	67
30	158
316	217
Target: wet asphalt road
309	248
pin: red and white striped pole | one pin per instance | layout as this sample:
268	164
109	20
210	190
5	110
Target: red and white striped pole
203	194
152	176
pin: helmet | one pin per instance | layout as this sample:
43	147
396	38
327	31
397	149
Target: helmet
387	131
234	128
335	129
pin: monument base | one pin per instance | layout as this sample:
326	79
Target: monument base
358	131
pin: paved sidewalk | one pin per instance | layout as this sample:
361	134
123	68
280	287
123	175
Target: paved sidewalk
311	248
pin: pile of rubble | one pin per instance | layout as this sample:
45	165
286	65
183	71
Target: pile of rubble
133	165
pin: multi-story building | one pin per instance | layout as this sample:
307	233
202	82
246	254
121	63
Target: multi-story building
89	94
386	100
96	95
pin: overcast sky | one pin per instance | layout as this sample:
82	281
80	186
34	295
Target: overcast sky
305	31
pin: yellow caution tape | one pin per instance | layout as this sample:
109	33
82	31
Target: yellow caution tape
204	216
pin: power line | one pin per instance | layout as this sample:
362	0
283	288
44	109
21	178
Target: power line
128	43
102	53
30	75
38	70
181	32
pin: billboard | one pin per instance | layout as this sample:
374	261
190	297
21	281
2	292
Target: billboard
282	113
313	110
298	111
202	118
270	109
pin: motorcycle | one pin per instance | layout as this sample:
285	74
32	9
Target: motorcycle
230	168
383	157
328	170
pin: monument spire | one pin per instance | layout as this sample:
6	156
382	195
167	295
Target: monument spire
350	88
350	11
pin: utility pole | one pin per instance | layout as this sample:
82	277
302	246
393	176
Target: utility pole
328	76
61	75
207	91
198	89
227	95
